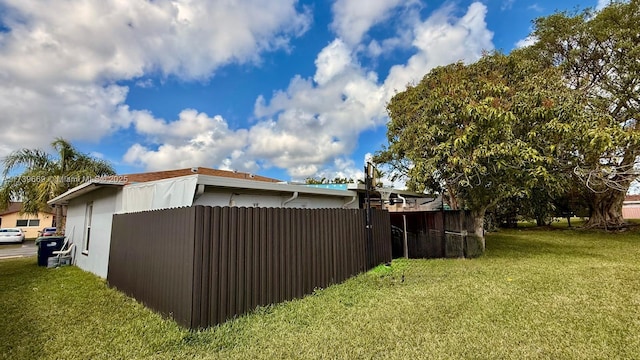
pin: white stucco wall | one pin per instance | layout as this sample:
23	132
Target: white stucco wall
215	197
105	202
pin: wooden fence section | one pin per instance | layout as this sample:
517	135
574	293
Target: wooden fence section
435	234
204	265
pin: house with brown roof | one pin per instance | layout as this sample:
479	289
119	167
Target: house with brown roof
13	217
631	207
91	206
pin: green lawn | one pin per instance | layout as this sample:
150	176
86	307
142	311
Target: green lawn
537	294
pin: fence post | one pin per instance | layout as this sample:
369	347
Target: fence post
404	233
463	227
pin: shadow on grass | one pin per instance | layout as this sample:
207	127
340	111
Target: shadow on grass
529	243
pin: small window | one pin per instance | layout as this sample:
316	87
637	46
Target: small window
27	222
87	228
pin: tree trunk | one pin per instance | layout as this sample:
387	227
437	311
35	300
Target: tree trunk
61	219
606	210
478	227
452	198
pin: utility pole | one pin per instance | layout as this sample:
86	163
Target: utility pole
367	184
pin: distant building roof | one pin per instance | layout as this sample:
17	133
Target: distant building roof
159	175
633	198
16	206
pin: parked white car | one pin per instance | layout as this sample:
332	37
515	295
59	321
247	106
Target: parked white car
11	235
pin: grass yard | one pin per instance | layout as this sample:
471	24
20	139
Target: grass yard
537	294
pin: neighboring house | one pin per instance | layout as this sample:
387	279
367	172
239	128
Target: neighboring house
631	207
29	223
91	206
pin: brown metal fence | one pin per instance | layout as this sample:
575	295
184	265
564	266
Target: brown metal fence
203	265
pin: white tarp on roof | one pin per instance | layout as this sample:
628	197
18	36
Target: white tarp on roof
162	194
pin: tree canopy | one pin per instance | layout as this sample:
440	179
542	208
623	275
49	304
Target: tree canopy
485	131
599	56
532	124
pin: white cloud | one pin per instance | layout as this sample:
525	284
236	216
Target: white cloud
59	76
145	84
308	125
507	4
602	4
528	41
30	116
331	61
354	18
60	60
341	167
440	40
113	39
194	139
536	8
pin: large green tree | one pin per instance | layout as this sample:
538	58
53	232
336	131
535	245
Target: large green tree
485	132
599	56
44	176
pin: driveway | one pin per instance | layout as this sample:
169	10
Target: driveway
8	251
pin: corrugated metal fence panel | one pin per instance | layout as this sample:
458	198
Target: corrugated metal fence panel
151	258
381	237
203	265
271	255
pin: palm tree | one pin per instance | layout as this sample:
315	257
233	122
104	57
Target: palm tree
45	177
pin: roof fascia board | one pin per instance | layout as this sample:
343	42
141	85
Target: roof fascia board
81	189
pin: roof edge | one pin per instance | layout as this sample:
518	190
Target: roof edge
82	189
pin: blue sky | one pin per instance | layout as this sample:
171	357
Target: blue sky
287	89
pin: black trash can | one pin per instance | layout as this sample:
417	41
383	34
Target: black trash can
46	246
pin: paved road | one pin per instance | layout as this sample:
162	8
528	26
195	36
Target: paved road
8	251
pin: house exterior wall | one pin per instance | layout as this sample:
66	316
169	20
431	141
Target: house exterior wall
631	211
228	197
105	202
109	201
30	232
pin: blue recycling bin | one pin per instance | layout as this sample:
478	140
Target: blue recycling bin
46	246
